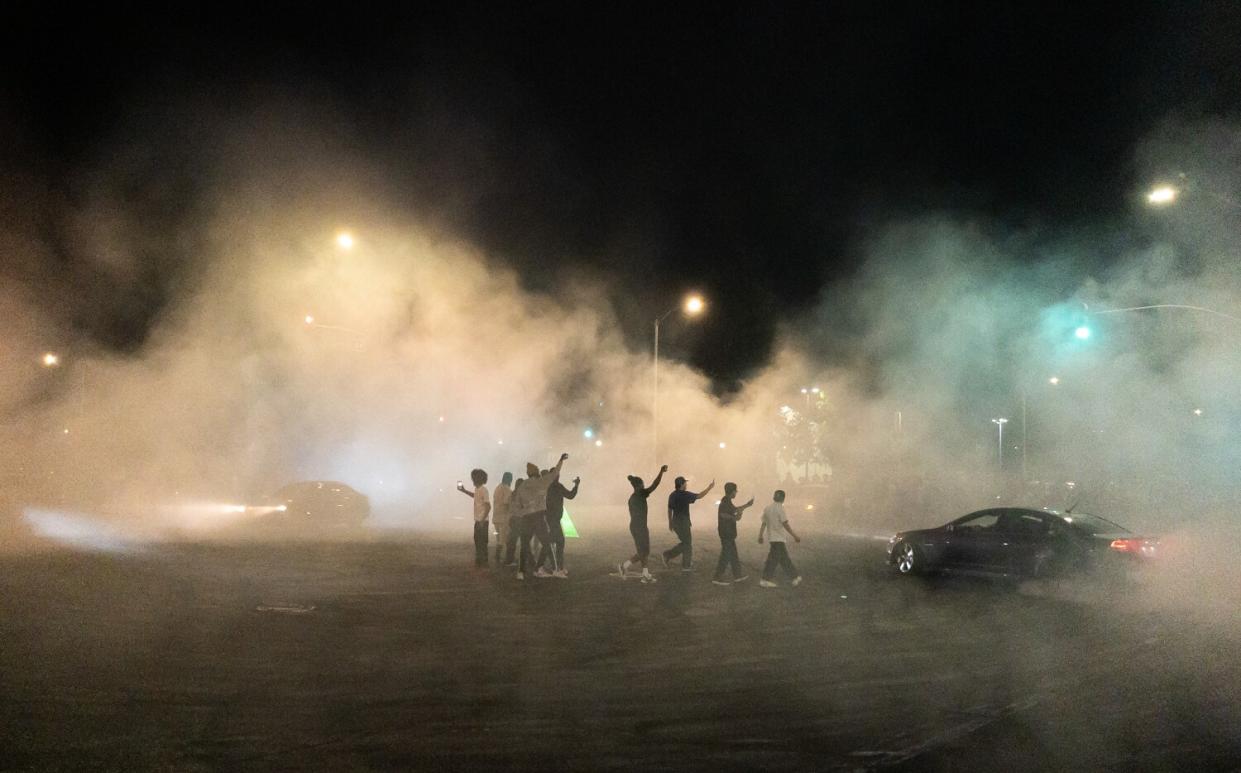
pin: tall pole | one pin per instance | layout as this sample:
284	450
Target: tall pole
655	401
1001	426
1024	478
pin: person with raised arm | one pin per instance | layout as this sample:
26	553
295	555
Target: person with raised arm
637	525
679	522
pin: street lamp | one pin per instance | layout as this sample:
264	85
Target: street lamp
1162	195
693	305
344	240
1000	423
50	359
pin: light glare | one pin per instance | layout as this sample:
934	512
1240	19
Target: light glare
1163	195
344	240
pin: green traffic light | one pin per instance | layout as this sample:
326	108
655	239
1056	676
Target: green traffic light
1082	332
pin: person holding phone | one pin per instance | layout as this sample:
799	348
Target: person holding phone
554	547
482	510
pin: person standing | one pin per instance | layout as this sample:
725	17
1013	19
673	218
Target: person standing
776	524
637	525
502	520
679	522
554	547
482	509
533	497
729	514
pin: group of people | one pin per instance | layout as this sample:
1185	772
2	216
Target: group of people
524	510
532	507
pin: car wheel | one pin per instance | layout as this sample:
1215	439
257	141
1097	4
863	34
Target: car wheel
907	558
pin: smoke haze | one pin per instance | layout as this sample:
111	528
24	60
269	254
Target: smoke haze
427	356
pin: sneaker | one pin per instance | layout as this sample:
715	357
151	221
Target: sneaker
766	584
620	570
687	568
720	582
647	579
562	574
541	572
646	574
624	567
742	578
521	576
796	581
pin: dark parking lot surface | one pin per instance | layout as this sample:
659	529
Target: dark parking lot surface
396	654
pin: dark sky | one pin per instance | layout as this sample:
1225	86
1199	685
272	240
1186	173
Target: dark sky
745	149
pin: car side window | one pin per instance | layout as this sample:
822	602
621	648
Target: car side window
982	522
1025	524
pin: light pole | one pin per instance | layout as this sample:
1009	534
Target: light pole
693	305
1000	423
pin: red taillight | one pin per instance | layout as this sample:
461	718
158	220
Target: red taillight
1143	547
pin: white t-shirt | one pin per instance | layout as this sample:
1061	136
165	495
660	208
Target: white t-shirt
481	500
774	517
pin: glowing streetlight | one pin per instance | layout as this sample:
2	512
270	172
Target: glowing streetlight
692	306
1197	411
1054	380
1162	196
723	444
344	240
309	319
1082	332
598	444
50	359
589	433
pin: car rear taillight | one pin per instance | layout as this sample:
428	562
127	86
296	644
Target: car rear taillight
1141	547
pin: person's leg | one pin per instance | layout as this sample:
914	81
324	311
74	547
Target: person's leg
526	560
560	549
769	569
687	545
786	562
510	540
721	564
501	538
734	561
480	543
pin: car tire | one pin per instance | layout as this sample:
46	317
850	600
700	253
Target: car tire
907	559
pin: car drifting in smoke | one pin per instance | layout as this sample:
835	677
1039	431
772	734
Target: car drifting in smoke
314	505
1020	542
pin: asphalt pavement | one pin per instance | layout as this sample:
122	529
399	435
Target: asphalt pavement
396	653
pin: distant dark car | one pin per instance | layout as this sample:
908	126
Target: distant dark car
1020	542
319	504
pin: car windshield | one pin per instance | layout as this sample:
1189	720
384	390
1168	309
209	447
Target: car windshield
1093	524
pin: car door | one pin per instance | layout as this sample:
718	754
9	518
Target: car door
1024	536
975	541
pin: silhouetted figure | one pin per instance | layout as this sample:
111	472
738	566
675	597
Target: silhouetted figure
501	518
679	522
729	514
637	524
776	525
554	548
533	500
482	508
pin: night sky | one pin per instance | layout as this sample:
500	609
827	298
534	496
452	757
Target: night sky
743	149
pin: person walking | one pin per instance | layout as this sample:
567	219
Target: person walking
776	524
729	515
637	525
502	519
554	548
679	522
482	509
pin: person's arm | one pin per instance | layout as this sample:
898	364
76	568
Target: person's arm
571	494
559	464
464	490
705	491
486	510
762	527
789	529
742	508
655	483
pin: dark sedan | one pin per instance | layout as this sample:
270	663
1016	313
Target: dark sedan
317	504
1020	542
